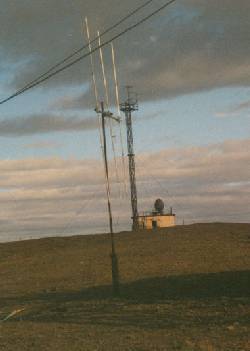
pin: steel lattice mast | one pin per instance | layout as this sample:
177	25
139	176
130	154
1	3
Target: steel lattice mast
129	106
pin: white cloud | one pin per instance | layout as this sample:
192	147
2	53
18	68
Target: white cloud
44	123
47	144
235	110
54	196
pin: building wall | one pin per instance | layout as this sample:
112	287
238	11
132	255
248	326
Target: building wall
162	221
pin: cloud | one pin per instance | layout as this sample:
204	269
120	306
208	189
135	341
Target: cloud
54	196
70	102
200	44
44	123
74	102
224	114
48	144
242	106
211	164
48	173
235	110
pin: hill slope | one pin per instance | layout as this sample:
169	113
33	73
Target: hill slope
183	288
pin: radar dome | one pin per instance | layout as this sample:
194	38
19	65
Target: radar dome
159	205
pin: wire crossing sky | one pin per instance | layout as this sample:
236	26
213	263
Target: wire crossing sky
75	52
49	75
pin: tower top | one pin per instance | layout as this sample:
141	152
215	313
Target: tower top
131	103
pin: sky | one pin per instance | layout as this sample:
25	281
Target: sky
189	65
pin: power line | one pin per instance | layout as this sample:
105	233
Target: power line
77	51
50	75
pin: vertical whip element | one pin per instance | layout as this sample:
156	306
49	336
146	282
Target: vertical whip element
119	115
92	63
94	84
103	70
115	80
107	105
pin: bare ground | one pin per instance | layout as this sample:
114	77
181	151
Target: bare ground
184	288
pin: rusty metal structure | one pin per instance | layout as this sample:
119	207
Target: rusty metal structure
129	106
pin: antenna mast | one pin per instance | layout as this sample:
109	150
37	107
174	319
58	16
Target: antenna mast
129	106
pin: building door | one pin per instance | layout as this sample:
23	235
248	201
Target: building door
154	224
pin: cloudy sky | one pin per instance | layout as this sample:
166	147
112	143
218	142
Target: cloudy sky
190	67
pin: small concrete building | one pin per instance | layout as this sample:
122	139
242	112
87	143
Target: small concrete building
156	218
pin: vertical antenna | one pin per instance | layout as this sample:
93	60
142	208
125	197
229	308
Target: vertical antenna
128	107
119	113
107	104
115	80
92	64
103	71
94	86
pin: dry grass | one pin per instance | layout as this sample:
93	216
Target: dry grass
184	288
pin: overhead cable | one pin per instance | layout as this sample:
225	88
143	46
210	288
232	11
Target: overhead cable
68	65
77	51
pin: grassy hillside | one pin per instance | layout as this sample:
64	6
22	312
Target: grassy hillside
183	288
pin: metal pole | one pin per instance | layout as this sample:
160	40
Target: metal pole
114	260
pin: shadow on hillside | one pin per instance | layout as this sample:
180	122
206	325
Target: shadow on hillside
149	303
195	286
